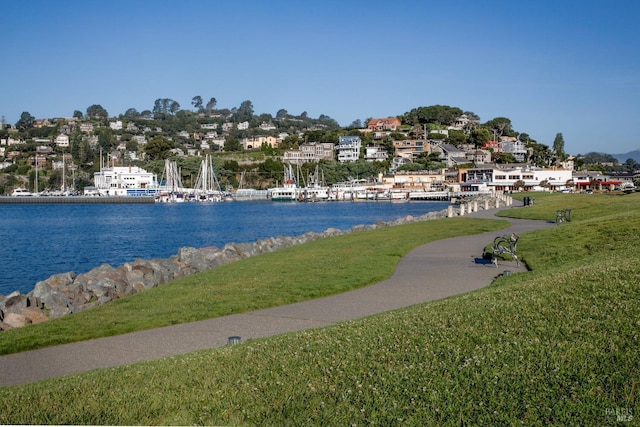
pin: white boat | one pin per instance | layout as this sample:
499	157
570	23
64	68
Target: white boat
315	189
348	190
21	192
289	192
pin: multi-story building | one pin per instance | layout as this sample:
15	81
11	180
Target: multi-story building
417	180
310	152
375	153
516	148
513	177
62	140
410	148
348	148
257	141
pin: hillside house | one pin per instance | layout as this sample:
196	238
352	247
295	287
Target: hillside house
348	148
450	154
375	153
310	152
253	142
516	148
62	140
388	124
86	127
410	148
267	126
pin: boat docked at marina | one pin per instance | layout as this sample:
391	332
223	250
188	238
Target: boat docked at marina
350	190
21	192
289	192
315	189
207	188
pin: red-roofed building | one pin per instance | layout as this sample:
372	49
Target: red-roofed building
390	123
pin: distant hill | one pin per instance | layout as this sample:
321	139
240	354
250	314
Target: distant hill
635	155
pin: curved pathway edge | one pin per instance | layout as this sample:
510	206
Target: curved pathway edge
429	272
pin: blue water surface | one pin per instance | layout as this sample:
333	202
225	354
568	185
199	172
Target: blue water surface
39	240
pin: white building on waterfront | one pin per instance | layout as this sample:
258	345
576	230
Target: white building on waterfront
123	181
514	177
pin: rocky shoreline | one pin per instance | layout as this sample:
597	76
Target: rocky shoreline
67	293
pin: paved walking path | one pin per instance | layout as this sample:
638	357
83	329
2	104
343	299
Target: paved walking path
436	270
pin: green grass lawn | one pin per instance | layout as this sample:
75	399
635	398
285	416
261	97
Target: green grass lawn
319	268
557	346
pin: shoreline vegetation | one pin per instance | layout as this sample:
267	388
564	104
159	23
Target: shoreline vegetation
557	345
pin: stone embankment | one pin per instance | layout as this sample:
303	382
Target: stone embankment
67	293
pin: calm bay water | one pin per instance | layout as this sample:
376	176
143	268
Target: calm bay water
38	240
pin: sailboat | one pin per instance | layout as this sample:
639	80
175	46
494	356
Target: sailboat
171	188
207	188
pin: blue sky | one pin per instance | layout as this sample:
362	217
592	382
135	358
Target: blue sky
563	66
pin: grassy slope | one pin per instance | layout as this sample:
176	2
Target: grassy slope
319	268
555	346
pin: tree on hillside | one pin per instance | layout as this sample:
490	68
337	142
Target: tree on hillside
479	137
77	114
558	147
499	126
232	144
244	112
281	114
631	165
96	111
211	105
158	148
131	113
165	106
26	121
594	158
541	155
356	124
437	114
196	101
456	137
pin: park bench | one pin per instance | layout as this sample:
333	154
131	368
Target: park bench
505	245
563	215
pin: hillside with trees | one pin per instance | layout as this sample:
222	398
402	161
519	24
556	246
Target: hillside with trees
166	130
